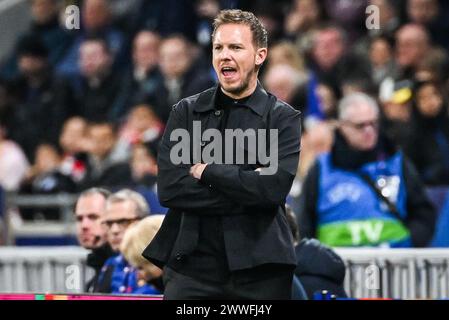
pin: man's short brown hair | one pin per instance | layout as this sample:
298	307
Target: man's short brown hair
260	35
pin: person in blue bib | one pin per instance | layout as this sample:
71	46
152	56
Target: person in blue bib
364	192
123	209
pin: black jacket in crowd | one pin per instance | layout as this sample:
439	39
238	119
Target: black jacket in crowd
96	260
319	268
254	224
421	215
40	112
428	146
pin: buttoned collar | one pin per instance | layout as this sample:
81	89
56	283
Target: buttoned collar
257	101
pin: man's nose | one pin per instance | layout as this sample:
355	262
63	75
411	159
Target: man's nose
115	228
84	224
225	54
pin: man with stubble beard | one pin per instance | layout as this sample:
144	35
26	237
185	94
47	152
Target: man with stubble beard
226	235
91	234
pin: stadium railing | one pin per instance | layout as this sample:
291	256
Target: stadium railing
370	273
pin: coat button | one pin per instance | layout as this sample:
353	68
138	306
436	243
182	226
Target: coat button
218	113
179	256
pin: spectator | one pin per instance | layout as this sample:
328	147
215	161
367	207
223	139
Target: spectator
303	19
432	16
397	111
381	58
433	67
135	240
180	76
45	177
123	208
96	22
44	100
101	93
319	267
47	161
143	77
412	45
316	139
143	166
124	14
364	192
331	59
89	213
429	142
205	10
422	11
271	16
142	126
13	163
323	104
286	53
44	26
285	83
106	165
73	141
350	15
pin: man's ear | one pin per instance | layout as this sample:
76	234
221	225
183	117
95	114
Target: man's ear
261	55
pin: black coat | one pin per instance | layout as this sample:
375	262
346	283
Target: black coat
427	147
254	224
40	112
96	259
103	102
319	268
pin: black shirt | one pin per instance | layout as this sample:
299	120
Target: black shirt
209	261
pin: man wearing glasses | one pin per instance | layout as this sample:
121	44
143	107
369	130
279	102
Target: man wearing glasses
364	192
123	208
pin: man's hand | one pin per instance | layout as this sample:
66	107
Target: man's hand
197	170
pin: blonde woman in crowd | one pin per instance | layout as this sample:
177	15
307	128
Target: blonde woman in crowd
135	240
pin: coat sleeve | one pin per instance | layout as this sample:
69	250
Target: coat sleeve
421	217
250	188
177	189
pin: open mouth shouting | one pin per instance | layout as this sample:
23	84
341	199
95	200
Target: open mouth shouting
228	72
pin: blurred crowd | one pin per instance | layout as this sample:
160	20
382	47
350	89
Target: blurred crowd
83	108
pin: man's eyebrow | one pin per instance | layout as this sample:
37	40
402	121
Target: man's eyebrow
229	44
87	214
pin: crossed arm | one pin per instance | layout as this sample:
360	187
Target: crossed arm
225	188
